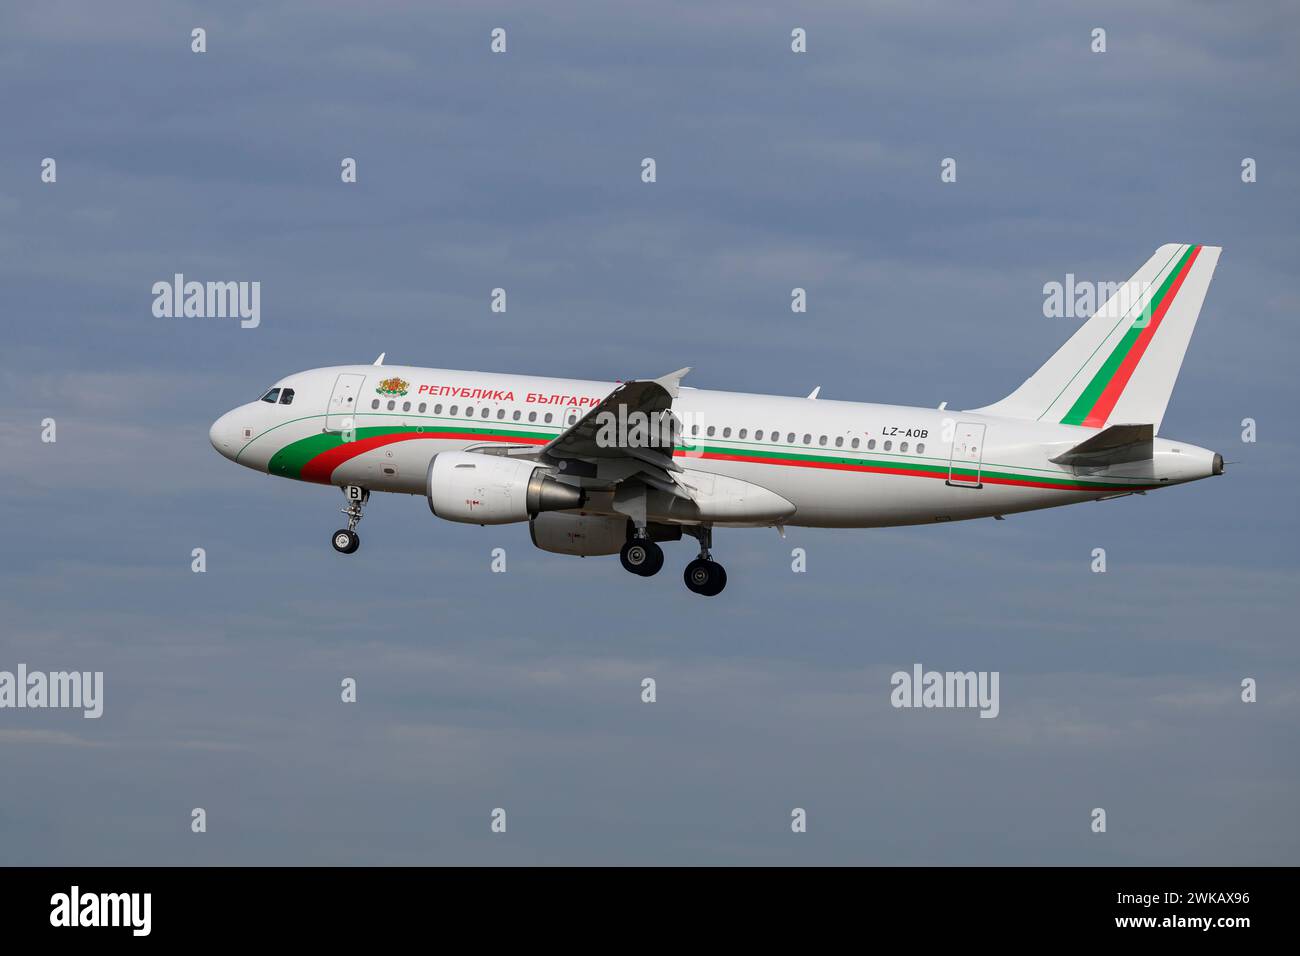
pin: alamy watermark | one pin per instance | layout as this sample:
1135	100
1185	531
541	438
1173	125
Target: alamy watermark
75	690
636	429
208	300
922	688
76	908
1082	299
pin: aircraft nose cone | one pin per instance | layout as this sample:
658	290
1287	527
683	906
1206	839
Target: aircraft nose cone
222	436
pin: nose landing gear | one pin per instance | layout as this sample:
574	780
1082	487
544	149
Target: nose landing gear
347	540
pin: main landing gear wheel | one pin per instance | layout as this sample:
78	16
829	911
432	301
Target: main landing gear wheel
345	541
705	577
642	556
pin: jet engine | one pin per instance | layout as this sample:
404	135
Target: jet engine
493	489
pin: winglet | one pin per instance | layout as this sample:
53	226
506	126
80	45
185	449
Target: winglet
815	392
672	380
380	360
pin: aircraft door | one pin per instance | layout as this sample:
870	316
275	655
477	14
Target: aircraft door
967	456
341	412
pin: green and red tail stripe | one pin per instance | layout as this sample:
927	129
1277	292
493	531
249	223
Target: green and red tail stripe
1093	406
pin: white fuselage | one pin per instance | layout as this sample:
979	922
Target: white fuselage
838	464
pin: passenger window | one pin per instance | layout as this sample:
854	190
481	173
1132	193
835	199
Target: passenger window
726	433
437	409
487	412
695	429
807	439
920	449
516	415
423	406
286	396
271	396
469	411
710	431
392	405
856	442
822	440
903	447
871	444
501	413
532	416
406	406
548	417
839	441
758	435
743	432
889	445
790	438
375	403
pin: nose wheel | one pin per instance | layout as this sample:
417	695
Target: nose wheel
346	540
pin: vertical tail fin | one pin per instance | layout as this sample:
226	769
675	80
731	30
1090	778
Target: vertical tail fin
1120	366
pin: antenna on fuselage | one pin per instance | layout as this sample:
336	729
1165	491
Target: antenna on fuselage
815	392
380	360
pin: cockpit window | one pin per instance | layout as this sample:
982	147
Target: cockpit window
271	396
286	396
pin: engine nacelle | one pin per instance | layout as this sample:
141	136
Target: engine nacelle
578	534
493	489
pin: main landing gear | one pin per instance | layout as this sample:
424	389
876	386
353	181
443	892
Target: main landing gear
642	556
704	575
347	540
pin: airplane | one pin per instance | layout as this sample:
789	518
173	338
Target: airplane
602	468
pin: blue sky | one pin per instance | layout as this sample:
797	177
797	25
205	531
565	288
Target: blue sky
522	690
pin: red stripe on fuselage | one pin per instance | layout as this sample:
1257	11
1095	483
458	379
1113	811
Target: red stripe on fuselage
907	472
321	468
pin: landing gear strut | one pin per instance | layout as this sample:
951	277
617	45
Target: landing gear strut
347	540
641	555
704	575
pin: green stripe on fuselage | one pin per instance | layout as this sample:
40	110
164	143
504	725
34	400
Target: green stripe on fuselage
288	462
932	467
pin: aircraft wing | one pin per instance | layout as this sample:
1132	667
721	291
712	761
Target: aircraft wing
609	434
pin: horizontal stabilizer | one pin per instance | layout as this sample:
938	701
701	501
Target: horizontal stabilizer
1111	446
